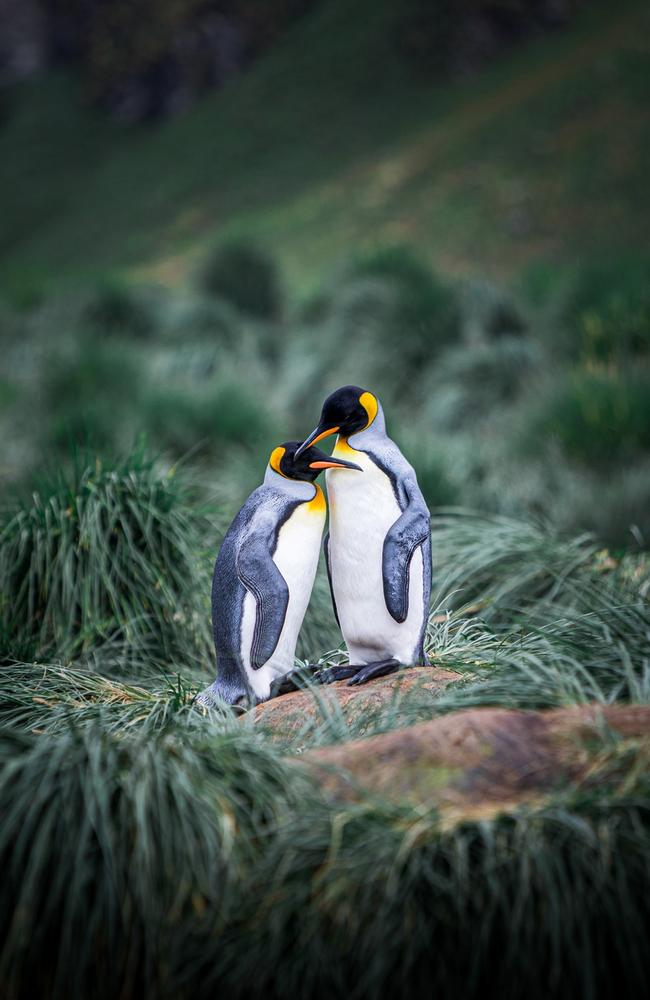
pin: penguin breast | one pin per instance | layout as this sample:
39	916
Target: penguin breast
362	509
298	547
296	556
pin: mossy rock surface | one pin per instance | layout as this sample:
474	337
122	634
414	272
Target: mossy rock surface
477	763
289	713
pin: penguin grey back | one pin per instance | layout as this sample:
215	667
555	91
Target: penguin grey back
266	509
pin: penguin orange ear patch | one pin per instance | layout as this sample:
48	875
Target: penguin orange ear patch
369	404
276	457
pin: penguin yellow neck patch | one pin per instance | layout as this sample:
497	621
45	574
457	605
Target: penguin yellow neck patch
274	461
369	404
343	450
317	505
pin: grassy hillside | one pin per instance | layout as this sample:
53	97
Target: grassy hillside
146	845
366	225
330	140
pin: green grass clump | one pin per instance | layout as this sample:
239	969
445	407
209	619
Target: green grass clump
599	418
473	382
424	314
488	312
244	275
152	865
605	320
206	421
384	901
203	318
619	329
115	309
504	562
90	398
48	698
121	858
108	552
618	291
147	845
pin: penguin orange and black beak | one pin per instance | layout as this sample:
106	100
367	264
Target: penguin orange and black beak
323	461
335	465
318	434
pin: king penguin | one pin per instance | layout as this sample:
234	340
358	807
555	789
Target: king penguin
378	547
264	574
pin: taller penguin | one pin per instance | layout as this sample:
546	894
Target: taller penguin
264	574
378	548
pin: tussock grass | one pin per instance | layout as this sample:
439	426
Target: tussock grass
505	562
147	845
115	309
243	274
155	864
600	419
120	856
107	553
47	698
397	907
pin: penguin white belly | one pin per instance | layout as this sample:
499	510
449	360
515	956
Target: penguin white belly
361	511
296	556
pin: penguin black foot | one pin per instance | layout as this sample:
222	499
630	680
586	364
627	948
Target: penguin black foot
371	670
330	674
293	681
357	674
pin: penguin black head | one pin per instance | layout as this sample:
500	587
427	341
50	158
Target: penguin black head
293	462
346	411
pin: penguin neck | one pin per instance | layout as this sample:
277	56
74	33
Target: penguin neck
297	488
370	435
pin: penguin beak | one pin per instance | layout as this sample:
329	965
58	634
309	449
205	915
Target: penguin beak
338	464
323	461
316	435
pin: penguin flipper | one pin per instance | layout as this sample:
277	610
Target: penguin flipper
409	531
326	549
260	576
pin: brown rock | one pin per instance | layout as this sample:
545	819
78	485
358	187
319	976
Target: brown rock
481	761
287	714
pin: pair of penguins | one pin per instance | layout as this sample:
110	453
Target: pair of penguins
377	549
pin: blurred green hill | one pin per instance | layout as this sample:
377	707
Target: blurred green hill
474	250
332	140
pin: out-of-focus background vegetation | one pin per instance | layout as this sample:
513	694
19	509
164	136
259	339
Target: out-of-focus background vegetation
212	213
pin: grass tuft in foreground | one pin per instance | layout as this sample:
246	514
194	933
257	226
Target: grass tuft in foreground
200	862
107	553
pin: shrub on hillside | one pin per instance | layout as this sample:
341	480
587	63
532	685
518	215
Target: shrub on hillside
488	313
106	552
10	324
615	507
203	317
473	382
621	328
116	309
90	399
244	275
396	312
608	311
206	422
426	309
599	419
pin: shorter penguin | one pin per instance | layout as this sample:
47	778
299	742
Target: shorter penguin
264	574
378	548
